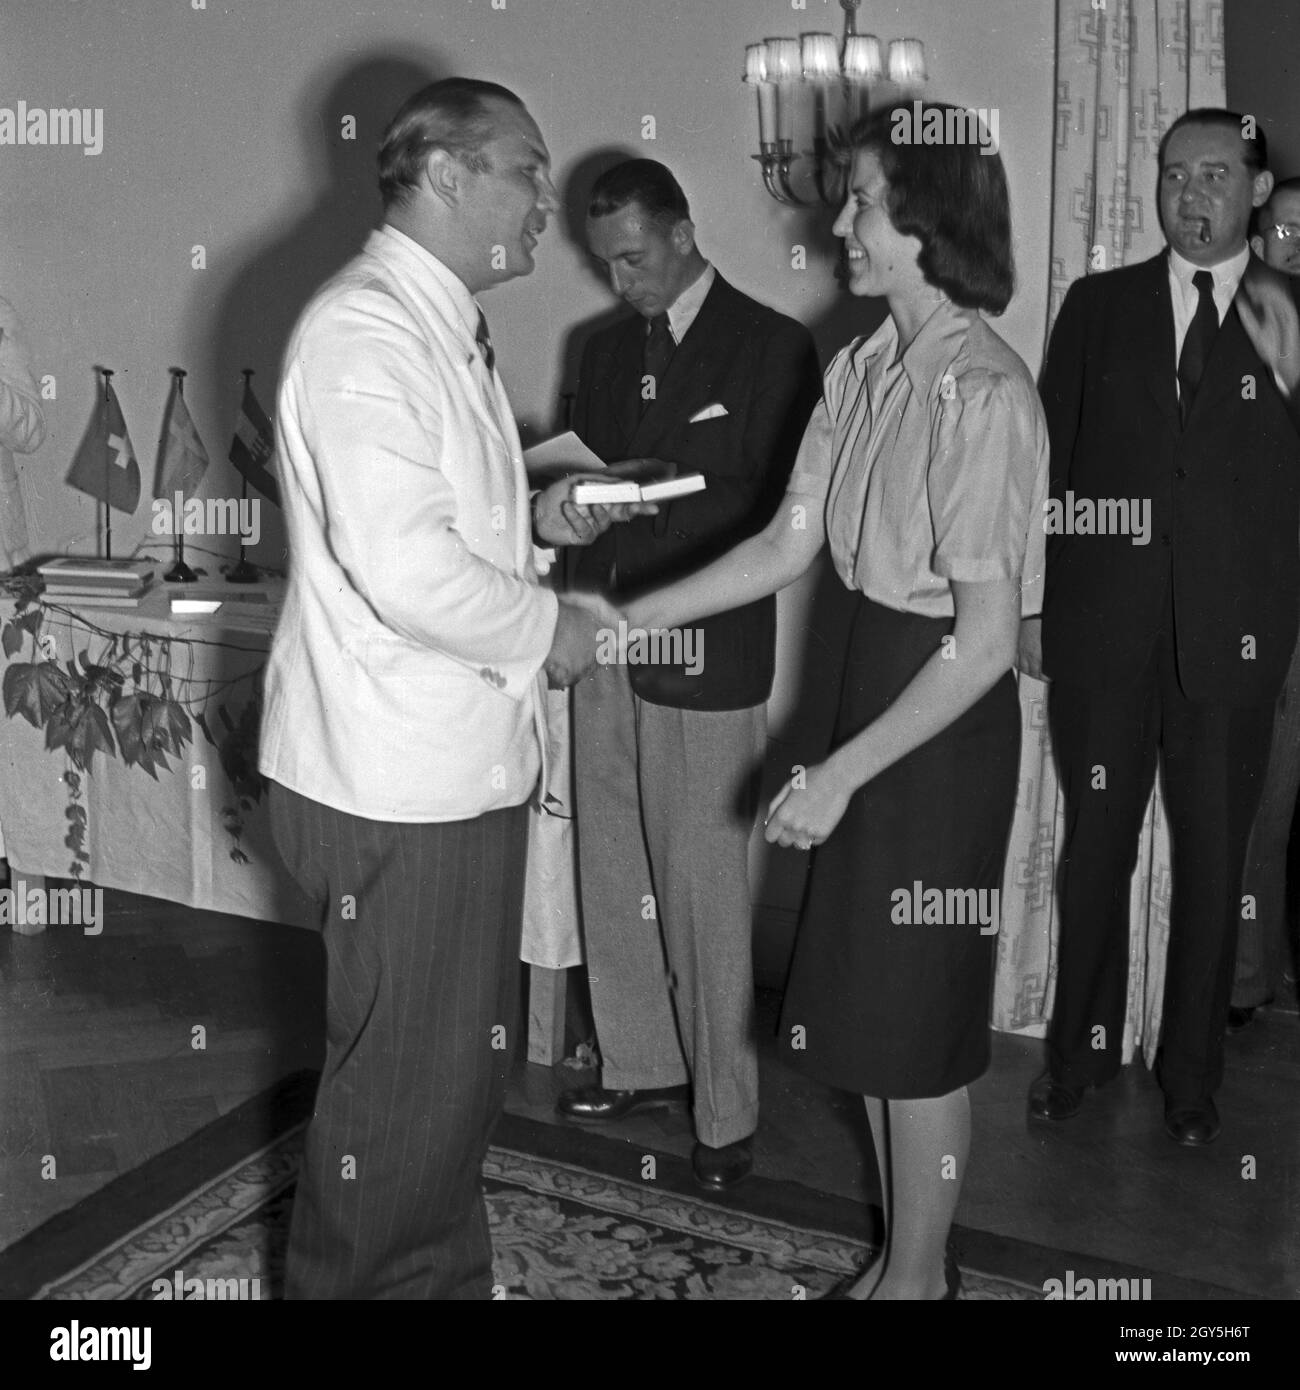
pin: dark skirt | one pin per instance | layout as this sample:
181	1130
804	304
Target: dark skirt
890	983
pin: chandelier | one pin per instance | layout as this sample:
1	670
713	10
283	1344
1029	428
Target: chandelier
786	73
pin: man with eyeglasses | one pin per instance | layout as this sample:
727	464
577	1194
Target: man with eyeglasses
1277	231
1262	953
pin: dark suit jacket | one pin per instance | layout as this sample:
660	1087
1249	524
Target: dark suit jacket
762	367
1224	498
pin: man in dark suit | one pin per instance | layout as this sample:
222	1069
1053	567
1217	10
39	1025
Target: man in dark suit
668	755
1262	938
1168	386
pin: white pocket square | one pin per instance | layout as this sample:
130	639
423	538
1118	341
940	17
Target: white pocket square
710	412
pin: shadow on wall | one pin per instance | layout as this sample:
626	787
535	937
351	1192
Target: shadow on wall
293	249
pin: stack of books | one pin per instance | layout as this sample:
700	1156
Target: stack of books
91	583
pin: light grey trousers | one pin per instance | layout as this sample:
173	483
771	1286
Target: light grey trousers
666	800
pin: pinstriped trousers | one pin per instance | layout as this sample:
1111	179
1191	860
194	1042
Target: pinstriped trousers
421	926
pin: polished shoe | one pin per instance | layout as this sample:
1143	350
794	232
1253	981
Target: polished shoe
596	1105
1240	1018
1050	1099
719	1169
1192	1123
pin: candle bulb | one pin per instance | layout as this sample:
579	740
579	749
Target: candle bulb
783	69
863	65
907	62
756	77
820	63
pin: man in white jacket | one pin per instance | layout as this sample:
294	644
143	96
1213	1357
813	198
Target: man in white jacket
404	727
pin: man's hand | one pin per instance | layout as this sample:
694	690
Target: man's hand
1029	659
1268	314
578	625
559	520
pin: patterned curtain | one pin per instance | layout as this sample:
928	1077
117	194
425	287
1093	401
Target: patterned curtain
1125	70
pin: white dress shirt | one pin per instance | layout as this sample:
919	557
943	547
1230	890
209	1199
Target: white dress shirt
687	305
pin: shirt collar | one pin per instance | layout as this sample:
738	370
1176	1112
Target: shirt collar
467	307
928	355
687	305
1227	274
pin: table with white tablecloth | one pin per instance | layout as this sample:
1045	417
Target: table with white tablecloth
163	837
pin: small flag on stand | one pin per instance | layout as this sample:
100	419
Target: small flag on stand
105	466
252	450
182	462
182	459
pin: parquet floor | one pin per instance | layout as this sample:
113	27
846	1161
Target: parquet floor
99	1070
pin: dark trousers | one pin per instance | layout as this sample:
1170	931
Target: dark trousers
1262	946
421	925
1213	758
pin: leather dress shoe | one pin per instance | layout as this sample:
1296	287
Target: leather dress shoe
596	1105
1050	1099
1192	1123
719	1169
1240	1018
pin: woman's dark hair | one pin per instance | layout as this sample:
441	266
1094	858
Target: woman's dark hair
453	115
951	194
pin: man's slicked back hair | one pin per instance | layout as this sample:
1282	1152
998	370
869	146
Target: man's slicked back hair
454	115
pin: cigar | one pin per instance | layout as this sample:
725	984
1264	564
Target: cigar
1205	231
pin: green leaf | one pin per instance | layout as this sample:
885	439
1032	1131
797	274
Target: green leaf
34	690
178	725
125	713
83	731
203	726
11	638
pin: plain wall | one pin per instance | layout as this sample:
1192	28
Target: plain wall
222	128
1262	42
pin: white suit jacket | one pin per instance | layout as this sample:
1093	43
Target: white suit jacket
404	682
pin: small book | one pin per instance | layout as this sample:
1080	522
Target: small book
639	480
101	598
87	572
89	591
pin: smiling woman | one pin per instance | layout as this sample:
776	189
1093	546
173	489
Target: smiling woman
924	468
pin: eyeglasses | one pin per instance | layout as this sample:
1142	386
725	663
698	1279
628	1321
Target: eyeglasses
1284	231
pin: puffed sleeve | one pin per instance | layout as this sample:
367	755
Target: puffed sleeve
987	481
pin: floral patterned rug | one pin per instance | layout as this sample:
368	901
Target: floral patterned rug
559	1231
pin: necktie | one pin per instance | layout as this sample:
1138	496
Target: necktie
484	340
1197	344
659	347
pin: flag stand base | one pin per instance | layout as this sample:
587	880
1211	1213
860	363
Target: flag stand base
243	573
180	573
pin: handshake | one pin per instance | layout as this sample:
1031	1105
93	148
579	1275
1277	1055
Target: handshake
581	619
